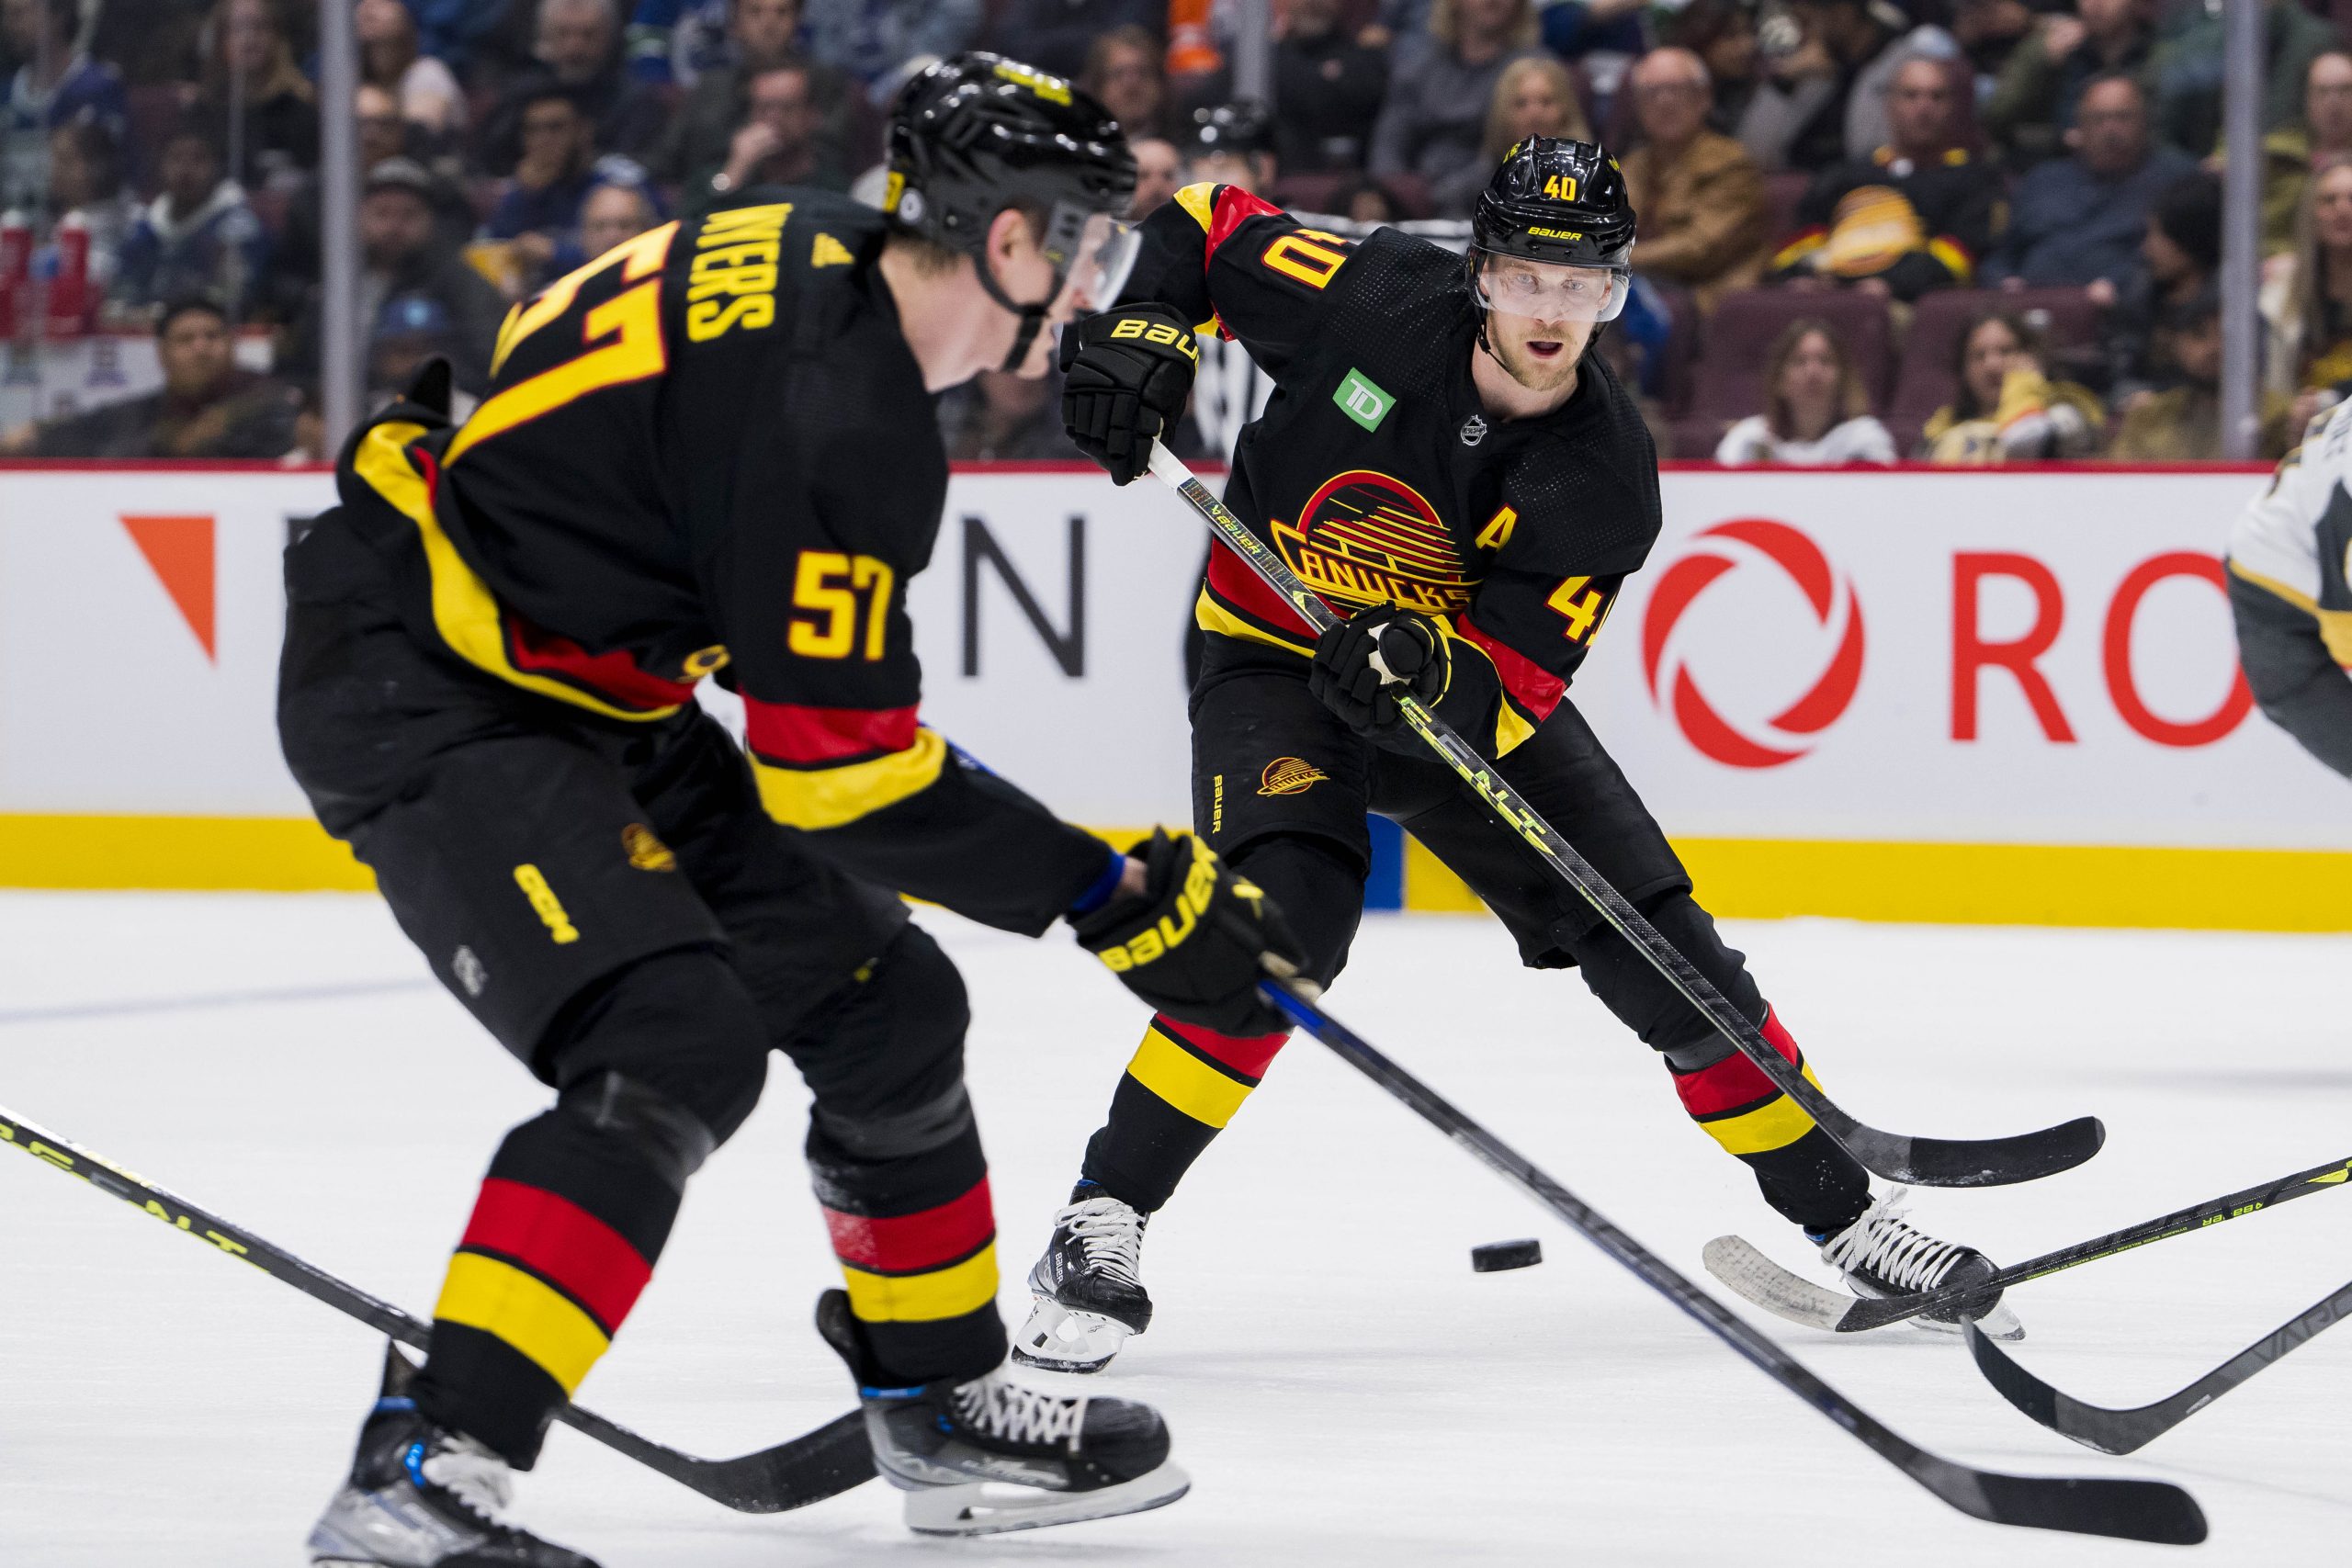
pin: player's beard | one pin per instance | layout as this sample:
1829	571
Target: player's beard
1540	375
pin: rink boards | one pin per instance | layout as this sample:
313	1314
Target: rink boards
2007	696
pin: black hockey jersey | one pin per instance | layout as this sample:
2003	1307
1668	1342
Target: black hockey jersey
1375	473
711	449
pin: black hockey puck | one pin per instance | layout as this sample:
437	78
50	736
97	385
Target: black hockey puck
1498	1255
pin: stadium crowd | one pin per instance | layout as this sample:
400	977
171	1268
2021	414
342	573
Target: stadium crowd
1969	232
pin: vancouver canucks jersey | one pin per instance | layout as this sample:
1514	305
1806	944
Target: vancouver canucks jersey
675	474
1377	475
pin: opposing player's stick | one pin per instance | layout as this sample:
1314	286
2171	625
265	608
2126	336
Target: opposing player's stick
1930	1162
2121	1431
819	1465
1737	1263
2134	1510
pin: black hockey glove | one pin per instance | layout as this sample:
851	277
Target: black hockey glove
1362	665
1194	944
1125	375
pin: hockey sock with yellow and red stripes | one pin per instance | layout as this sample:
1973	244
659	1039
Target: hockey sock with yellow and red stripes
1802	1172
916	1239
1182	1085
563	1238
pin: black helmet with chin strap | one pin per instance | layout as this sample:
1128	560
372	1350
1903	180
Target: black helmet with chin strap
975	134
1559	202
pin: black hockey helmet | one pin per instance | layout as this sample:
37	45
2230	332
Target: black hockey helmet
1242	126
977	133
1559	202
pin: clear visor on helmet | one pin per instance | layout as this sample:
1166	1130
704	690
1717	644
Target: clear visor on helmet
1549	291
1106	254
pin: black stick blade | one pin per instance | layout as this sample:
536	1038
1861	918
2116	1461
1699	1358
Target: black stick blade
1984	1162
2154	1511
823	1464
2040	1403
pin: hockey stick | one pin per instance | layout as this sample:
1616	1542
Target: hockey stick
819	1465
1927	1162
2122	1431
2133	1510
1738	1265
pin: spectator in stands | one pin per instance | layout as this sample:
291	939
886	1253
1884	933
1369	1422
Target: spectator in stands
1159	173
1231	144
1988	33
1697	195
401	252
1914	215
427	94
2182	423
2307	304
467	36
1825	97
1602	38
1721	33
2291	152
880	43
1366	200
579	48
1533	96
675	43
409	331
538	212
1058	34
776	143
1123	71
251	63
2187	109
2006	409
2033	104
85	182
1328	87
197	238
383	132
612	214
1817	411
997	417
56	86
2180	256
208	406
1440	87
2077	222
764	35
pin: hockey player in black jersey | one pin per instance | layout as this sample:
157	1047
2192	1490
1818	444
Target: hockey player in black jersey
1445	464
711	452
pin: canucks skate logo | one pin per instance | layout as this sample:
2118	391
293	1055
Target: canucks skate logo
1365	538
1289	776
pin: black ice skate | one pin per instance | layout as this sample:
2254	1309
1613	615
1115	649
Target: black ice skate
422	1498
1881	1254
1089	1287
991	1455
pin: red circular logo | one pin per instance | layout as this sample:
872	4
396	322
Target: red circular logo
1786	736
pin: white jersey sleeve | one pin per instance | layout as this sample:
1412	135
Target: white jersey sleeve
2295	540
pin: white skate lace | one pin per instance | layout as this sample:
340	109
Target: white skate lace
1111	1236
473	1474
1002	1408
1882	1245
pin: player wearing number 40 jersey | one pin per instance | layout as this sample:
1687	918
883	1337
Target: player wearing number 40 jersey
1448	467
488	691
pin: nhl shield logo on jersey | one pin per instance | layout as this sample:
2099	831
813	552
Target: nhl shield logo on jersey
646	851
1290	776
1366	538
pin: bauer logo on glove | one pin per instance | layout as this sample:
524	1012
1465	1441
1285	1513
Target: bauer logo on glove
1126	374
1195	943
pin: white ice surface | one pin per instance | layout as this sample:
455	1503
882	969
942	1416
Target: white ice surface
1343	1388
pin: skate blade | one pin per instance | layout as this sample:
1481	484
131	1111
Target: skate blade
990	1507
1057	1339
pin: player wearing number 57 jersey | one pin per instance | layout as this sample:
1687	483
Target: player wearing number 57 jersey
711	452
1448	467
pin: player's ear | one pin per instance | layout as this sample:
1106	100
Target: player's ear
1009	238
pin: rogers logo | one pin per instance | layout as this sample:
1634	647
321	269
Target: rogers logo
1752	542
